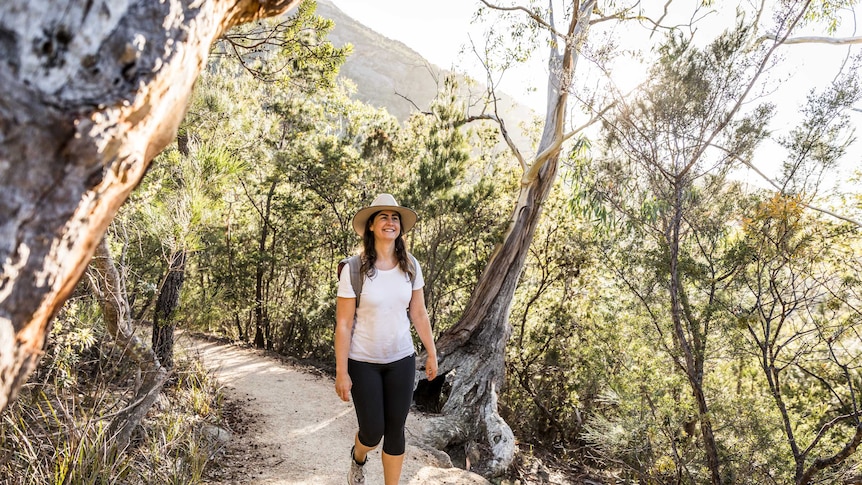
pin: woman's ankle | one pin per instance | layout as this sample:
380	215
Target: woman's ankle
353	454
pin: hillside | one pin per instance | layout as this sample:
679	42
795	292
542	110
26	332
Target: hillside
386	71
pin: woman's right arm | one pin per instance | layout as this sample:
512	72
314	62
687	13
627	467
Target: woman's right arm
345	309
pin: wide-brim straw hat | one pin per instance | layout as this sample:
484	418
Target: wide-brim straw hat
384	202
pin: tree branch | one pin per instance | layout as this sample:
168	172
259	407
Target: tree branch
778	187
813	40
530	13
739	102
503	131
838	457
250	10
405	98
589	122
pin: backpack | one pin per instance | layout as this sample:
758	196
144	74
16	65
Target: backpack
356	279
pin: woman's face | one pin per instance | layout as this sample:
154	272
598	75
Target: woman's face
386	225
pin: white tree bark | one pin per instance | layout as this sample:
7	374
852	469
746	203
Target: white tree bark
105	281
472	352
90	92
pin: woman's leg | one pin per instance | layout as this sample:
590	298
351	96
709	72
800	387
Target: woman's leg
360	451
397	397
367	392
392	468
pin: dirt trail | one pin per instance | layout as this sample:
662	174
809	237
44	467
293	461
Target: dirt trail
301	431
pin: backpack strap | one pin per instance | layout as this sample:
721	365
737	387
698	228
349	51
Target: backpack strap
353	263
415	267
356	278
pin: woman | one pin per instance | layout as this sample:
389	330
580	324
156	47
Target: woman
374	354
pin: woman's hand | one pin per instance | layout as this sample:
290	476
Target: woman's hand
419	317
343	383
431	367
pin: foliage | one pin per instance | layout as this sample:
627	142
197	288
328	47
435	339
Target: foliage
300	166
549	385
674	242
801	331
54	432
291	51
822	138
646	244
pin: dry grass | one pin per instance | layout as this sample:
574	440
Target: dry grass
55	431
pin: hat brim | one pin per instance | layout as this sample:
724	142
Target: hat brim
408	217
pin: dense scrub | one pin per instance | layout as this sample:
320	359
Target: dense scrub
657	316
56	431
671	324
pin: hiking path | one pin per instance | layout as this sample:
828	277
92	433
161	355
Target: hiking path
294	428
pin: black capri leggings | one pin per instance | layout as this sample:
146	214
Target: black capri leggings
382	394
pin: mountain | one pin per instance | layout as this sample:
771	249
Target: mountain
390	75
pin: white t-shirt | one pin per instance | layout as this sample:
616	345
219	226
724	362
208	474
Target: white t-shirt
381	331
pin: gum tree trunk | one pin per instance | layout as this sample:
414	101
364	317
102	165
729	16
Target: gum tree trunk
118	320
91	92
166	303
471	354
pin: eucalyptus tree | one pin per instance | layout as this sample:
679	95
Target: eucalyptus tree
83	114
688	102
670	150
472	351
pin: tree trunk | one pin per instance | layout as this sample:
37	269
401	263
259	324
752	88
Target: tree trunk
91	93
472	353
117	315
167	302
261	317
690	341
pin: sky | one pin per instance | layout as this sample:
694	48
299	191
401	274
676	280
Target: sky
439	30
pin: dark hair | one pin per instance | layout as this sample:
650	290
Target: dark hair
369	252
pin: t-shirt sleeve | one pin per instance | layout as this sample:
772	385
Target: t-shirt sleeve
418	281
345	288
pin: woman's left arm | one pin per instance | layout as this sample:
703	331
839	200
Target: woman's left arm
422	324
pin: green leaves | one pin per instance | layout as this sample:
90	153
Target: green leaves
292	52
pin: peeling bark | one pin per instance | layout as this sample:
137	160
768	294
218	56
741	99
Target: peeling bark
92	91
472	353
117	314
